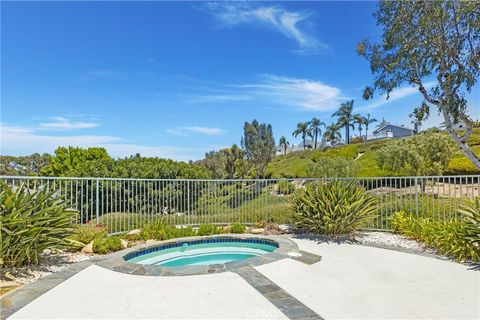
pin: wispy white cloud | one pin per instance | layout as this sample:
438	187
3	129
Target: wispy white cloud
276	18
62	123
394	95
27	138
274	90
186	131
17	140
305	94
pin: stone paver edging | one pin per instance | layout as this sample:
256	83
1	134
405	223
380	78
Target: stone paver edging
281	299
117	260
18	298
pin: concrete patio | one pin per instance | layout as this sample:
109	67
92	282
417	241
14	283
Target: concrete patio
351	281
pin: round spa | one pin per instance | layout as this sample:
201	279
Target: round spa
216	250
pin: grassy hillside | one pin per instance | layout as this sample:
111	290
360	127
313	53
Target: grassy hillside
295	164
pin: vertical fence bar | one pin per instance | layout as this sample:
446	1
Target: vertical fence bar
188	201
416	196
266	201
97	201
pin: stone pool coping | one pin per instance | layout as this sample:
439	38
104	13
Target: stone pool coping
21	296
117	263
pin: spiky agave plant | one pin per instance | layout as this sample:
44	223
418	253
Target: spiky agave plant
337	208
471	214
30	222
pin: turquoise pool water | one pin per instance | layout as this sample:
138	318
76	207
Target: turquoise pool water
204	252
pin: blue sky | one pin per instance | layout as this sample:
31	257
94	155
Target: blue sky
177	79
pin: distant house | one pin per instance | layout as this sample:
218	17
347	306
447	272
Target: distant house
279	150
309	144
391	131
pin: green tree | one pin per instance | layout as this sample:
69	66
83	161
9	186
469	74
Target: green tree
259	145
304	130
23	166
429	44
344	114
215	163
360	121
231	157
69	161
157	168
368	122
332	133
423	154
315	125
283	143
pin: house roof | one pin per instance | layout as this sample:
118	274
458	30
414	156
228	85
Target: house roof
391	125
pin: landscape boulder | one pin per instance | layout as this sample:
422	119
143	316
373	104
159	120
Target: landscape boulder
286	228
257	230
133	232
88	248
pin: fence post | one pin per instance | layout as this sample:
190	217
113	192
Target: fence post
97	202
416	196
188	200
266	202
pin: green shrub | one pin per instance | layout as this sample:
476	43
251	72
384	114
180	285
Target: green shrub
471	214
286	187
154	230
333	208
237	228
449	237
174	232
123	221
104	245
332	168
30	222
422	154
159	230
85	233
208	229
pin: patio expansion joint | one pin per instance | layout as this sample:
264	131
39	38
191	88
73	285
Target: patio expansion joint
281	299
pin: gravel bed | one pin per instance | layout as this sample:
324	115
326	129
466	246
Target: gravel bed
50	261
390	239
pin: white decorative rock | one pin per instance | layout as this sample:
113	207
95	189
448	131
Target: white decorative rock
124	243
285	228
149	241
133	232
257	231
88	248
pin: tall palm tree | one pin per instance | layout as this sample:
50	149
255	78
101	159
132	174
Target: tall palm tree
367	123
360	121
283	144
344	114
304	130
332	133
315	124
